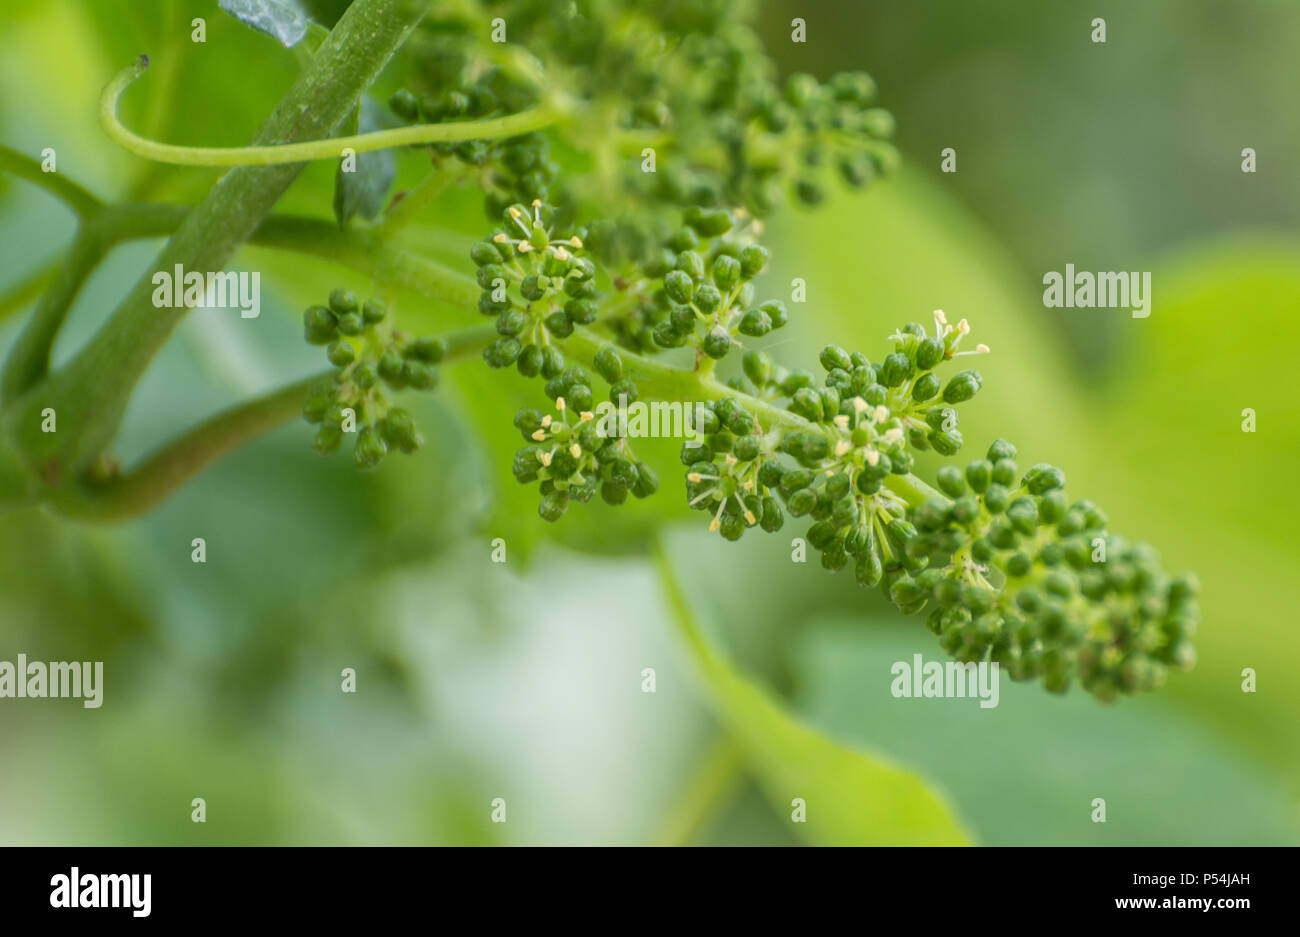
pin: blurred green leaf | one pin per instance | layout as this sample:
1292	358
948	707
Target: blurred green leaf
852	797
363	190
1026	771
1213	498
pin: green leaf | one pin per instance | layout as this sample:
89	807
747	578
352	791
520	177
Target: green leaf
852	796
363	190
1027	770
282	20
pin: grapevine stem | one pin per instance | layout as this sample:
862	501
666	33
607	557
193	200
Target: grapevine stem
160	474
80	200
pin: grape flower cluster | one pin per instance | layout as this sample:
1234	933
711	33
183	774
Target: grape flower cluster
368	356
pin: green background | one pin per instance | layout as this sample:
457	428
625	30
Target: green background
523	680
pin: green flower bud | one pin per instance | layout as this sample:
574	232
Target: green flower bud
996	498
776	312
328	438
484	253
553	505
1023	514
950	481
679	287
726	272
965	509
946	442
801	502
608	365
404	105
752	261
758	367
929	353
559	325
552	362
708	299
755	323
612	494
351	323
895	369
420	376
684	239
1001	449
341	354
868	571
373	312
343	301
581	311
430	349
1042	478
833	356
398	429
512	322
771	519
963	386
978	475
622	389
708	223
717	343
502	352
691	263
316	406
371	448
807	403
364	376
319	325
1005	472
647	483
529	362
926	387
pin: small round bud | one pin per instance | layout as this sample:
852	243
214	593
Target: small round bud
929	353
717	343
502	352
978	475
679	287
351	323
343	301
608	365
963	386
926	387
726	272
755	323
370	449
319	325
431	349
950	481
833	356
341	354
776	312
1001	449
752	261
895	369
404	105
